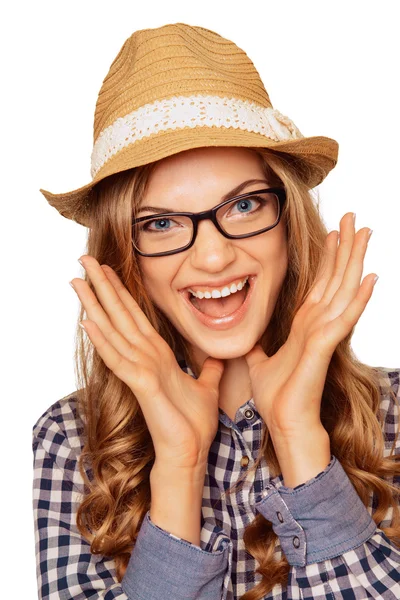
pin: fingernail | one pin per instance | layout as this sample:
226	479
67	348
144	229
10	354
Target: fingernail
370	233
72	285
376	279
81	263
82	325
354	217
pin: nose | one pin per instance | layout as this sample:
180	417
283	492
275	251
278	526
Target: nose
211	250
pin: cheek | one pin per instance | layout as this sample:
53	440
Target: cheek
157	278
151	277
274	266
273	256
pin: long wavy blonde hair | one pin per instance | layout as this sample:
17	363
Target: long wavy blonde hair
118	448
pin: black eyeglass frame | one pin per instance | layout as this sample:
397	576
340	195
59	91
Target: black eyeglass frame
212	216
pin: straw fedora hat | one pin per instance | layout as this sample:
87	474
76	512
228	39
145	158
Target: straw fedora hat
178	87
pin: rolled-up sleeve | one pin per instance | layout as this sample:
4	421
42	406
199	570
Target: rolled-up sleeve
184	571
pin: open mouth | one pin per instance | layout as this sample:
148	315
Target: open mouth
221	307
224	312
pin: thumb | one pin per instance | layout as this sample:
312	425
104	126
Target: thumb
211	372
255	356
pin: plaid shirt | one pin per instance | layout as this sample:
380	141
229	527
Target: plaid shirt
331	542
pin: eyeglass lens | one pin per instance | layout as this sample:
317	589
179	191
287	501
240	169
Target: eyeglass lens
238	217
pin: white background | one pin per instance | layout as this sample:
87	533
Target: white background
333	68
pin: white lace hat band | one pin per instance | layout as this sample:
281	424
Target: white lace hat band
190	111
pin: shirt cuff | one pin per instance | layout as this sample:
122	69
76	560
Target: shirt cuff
163	565
317	520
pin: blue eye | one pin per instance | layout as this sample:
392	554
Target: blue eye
243	204
159	225
247	205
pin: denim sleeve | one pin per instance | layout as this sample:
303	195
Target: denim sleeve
333	546
318	520
165	566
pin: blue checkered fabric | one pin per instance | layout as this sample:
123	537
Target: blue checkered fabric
344	556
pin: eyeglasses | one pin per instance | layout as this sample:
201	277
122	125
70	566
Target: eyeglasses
243	216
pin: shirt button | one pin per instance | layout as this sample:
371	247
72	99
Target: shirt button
244	461
248	413
296	541
279	515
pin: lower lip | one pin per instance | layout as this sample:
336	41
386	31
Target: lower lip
221	323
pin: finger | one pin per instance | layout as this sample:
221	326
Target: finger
133	375
116	311
131	305
347	233
336	330
211	372
96	314
255	356
350	285
111	357
326	269
354	310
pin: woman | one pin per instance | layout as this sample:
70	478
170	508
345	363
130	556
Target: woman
225	441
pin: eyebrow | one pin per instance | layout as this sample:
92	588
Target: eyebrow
236	190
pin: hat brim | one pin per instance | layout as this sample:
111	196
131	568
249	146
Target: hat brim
319	153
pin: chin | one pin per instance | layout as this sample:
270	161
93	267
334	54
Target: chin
227	349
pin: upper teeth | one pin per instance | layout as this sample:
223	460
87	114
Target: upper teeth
226	291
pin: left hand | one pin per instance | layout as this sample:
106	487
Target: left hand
287	387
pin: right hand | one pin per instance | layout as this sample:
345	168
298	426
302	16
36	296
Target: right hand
181	412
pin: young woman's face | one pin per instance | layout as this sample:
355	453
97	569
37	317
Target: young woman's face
194	181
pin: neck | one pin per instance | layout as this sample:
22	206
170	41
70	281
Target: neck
235	385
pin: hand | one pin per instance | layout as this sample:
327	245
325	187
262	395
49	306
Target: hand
181	412
288	387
